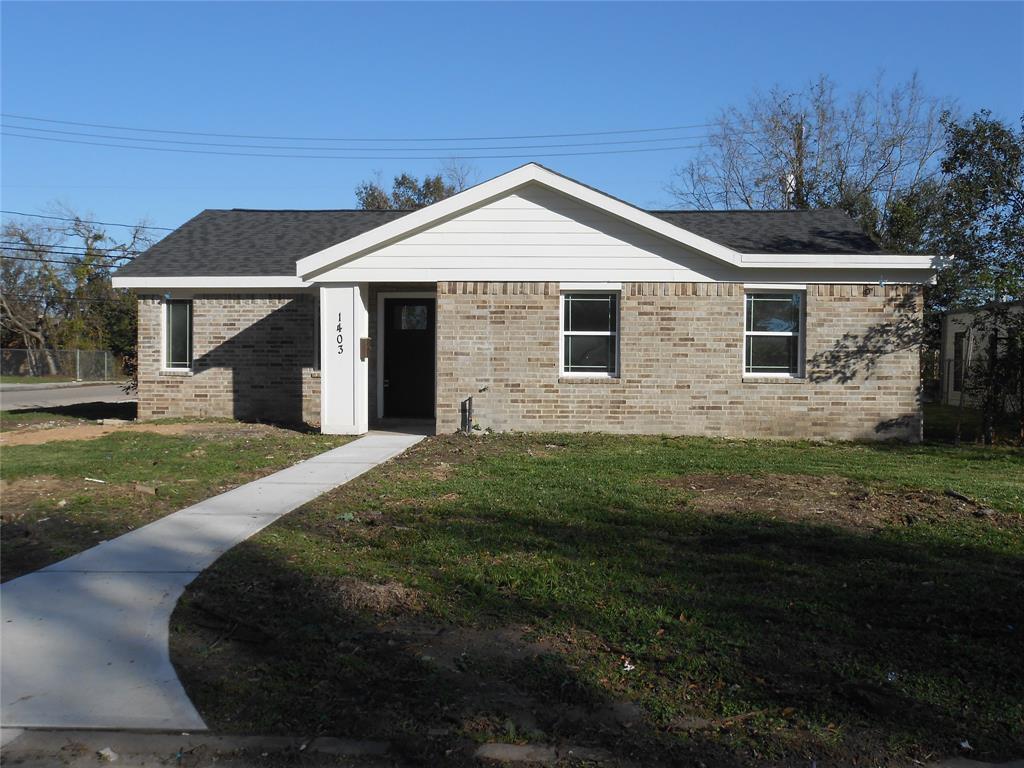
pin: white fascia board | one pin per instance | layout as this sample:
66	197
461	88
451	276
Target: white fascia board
501	185
243	283
838	261
429	274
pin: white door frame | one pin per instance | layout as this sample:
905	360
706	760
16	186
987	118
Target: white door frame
381	295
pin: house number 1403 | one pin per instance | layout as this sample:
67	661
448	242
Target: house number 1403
340	337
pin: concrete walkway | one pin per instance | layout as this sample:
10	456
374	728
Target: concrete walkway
85	641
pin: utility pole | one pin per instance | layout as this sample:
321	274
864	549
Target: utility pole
799	160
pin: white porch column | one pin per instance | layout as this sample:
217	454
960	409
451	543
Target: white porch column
344	376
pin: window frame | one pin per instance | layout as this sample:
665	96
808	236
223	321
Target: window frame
800	334
616	371
165	350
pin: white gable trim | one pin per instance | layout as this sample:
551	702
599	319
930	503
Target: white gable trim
309	267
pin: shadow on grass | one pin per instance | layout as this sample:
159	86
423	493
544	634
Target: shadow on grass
88	411
829	644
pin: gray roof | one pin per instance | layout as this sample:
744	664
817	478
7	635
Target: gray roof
246	242
825	231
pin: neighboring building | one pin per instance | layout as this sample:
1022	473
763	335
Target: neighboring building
966	333
552	305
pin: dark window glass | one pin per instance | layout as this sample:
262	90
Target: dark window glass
590	324
590	312
590	354
773	312
772	354
179	334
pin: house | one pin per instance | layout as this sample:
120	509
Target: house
964	348
533	302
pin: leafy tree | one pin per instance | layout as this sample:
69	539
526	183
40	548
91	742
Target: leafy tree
980	225
408	193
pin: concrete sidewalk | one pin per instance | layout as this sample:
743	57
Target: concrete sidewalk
85	641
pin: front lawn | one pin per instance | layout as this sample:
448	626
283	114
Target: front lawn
673	601
61	497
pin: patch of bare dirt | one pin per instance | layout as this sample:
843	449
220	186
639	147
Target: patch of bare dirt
37	436
19	495
834	500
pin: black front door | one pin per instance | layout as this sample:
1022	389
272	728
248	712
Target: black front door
408	358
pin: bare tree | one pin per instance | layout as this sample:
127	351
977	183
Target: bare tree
815	149
55	288
459	173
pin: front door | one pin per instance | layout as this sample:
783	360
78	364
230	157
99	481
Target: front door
408	358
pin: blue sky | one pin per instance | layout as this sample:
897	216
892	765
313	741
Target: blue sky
438	70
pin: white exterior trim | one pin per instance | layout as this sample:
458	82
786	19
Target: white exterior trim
775	286
243	282
381	296
564	374
165	303
801	373
557	274
343	374
343	253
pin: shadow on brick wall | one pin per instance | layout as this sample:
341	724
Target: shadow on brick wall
858	355
266	360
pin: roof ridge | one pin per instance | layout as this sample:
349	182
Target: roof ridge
314	210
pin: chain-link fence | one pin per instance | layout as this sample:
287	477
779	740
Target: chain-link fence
55	364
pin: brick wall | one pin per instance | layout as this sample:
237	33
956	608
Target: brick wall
253	358
681	364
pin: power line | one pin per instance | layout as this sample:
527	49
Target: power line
87	221
374	139
83	257
57	261
65	247
353	157
354	149
69	250
43	297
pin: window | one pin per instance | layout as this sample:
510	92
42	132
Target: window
178	329
772	337
590	342
958	360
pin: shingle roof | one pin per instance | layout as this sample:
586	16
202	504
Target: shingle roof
249	243
246	242
821	232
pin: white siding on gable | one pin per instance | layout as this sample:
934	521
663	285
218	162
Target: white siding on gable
536	233
533	234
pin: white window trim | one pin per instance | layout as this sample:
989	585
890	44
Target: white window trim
164	308
564	374
801	335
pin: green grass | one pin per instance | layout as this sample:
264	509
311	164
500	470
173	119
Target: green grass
940	425
51	511
865	618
